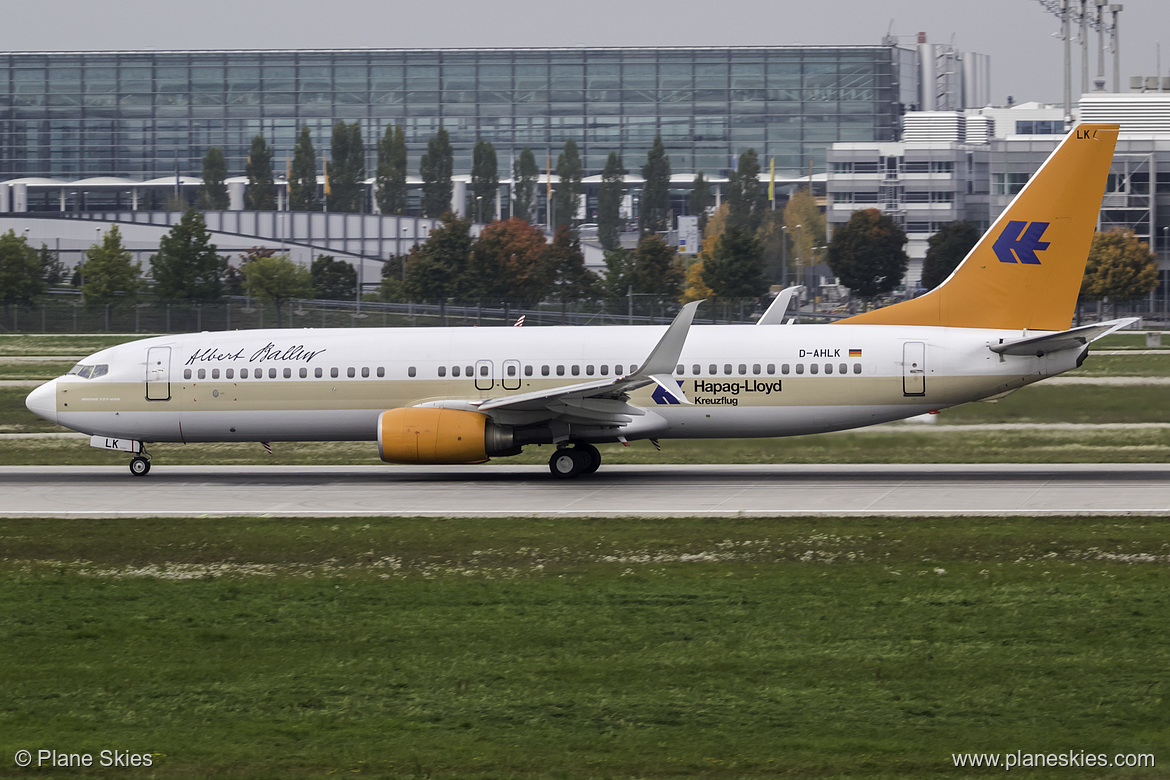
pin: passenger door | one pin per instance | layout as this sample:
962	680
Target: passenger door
158	374
914	368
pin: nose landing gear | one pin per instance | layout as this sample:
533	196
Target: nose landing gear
140	464
570	462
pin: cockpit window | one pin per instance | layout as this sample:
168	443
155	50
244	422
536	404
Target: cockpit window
89	372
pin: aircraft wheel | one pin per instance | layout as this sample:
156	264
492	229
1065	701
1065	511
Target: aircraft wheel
593	457
567	463
140	467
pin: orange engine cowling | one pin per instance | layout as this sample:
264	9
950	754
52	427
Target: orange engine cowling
429	435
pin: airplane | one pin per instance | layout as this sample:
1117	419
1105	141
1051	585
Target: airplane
1000	321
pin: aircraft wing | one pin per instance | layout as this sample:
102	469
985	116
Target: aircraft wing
601	402
1057	342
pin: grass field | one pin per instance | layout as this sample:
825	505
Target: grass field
566	649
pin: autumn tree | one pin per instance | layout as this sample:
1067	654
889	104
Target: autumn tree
436	170
260	194
609	202
485	180
526	174
109	271
302	186
278	280
867	253
348	171
1120	268
390	178
654	210
213	192
20	270
507	263
333	279
567	200
694	288
806	228
186	267
945	250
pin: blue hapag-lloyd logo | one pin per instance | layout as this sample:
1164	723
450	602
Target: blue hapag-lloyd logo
1020	241
661	397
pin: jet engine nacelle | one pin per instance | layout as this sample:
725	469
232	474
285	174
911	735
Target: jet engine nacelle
429	435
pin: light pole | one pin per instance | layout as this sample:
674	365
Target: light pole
783	256
800	259
479	209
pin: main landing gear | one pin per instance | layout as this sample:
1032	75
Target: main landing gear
570	462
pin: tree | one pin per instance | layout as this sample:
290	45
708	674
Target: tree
302	185
568	196
1120	268
745	196
507	263
437	269
109	271
609	202
736	267
945	250
348	172
52	269
187	267
278	280
654	213
619	275
526	175
657	271
390	185
700	200
866	253
773	249
436	170
565	262
261	192
333	279
485	181
806	228
20	270
696	289
213	193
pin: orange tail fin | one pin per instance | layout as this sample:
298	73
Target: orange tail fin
1025	273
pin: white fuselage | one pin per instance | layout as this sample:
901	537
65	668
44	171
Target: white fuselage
742	381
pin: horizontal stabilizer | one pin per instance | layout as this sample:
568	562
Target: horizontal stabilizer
1058	342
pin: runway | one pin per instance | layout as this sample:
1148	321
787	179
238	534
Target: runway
655	491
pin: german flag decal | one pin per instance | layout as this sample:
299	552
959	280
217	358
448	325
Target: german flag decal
855	353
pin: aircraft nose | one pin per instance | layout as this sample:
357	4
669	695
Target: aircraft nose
43	401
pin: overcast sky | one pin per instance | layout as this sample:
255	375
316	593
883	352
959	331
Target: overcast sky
1026	59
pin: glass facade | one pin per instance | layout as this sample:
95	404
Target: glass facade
142	115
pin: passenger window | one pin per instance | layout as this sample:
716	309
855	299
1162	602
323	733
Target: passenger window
783	368
843	369
468	371
231	372
214	373
544	370
186	373
680	369
727	369
576	370
304	373
410	371
511	370
743	369
366	372
454	370
772	368
800	368
812	368
202	373
713	369
618	369
381	371
243	373
828	368
560	370
333	372
755	368
527	370
483	371
605	369
351	372
442	371
857	368
695	369
589	370
317	372
272	373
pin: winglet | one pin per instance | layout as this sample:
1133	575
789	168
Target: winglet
775	313
664	358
